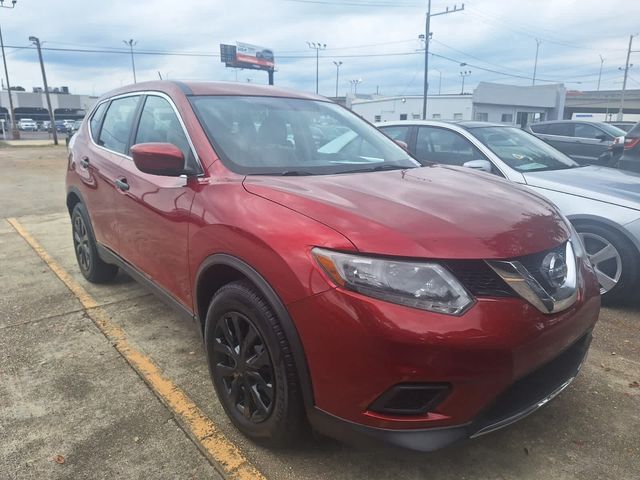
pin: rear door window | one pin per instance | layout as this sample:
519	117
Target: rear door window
96	119
116	127
560	129
539	128
584	130
438	145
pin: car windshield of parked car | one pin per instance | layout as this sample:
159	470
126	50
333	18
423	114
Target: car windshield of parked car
287	136
521	150
613	130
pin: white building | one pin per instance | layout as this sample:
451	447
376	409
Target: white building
439	107
490	102
33	105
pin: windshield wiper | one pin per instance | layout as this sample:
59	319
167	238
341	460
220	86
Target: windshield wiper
379	168
285	173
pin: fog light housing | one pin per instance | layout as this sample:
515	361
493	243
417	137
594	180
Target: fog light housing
411	399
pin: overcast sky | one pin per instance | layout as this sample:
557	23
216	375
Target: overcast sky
377	41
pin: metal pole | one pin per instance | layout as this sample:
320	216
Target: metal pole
337	64
131	44
600	73
427	26
535	64
624	81
15	133
46	90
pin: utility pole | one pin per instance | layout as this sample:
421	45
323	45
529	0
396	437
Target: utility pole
317	47
600	73
132	44
337	64
15	133
52	118
463	75
427	37
535	63
627	66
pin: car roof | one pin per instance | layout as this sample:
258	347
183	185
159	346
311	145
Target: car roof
549	122
171	88
466	124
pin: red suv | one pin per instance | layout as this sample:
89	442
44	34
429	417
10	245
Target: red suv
335	281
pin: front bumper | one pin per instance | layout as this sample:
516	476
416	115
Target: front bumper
524	397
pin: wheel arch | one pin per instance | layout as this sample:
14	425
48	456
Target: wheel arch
73	198
593	219
220	269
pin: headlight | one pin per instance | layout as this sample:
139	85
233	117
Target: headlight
423	285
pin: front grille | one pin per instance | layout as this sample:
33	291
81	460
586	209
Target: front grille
479	279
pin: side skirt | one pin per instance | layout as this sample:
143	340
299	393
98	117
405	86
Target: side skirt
110	256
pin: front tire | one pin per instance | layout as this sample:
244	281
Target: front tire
614	259
252	367
92	267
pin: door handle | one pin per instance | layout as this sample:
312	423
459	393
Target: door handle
122	184
84	162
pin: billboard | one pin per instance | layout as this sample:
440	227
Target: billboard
245	55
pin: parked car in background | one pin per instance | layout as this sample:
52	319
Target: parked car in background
46	126
60	126
626	126
630	159
602	203
27	124
376	299
588	143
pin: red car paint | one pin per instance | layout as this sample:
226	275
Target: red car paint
356	347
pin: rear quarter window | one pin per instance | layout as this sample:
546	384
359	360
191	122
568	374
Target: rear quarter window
96	119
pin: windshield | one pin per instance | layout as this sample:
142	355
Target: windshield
521	150
286	136
613	130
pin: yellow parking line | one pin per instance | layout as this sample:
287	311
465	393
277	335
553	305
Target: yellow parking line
212	442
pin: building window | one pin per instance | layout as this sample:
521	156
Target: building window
482	116
457	116
507	118
403	116
435	116
377	118
416	116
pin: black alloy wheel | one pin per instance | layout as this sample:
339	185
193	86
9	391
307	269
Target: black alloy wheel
92	267
81	243
244	367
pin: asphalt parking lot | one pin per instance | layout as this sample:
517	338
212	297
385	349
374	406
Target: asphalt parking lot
107	382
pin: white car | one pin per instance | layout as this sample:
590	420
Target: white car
602	203
28	124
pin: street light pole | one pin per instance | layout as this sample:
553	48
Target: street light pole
464	74
535	63
355	84
337	64
317	47
600	73
52	118
132	44
427	37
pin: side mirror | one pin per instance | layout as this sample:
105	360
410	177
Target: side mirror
404	145
158	159
602	137
483	165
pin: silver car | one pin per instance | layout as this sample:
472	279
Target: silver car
602	203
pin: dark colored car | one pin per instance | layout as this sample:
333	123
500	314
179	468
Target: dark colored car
630	159
593	143
339	285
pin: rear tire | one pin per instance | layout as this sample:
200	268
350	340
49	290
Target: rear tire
251	366
92	267
617	267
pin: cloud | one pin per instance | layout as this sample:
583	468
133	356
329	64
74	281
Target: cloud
488	35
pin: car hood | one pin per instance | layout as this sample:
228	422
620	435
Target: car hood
430	212
609	185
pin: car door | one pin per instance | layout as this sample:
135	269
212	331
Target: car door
152	211
441	145
97	163
591	143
